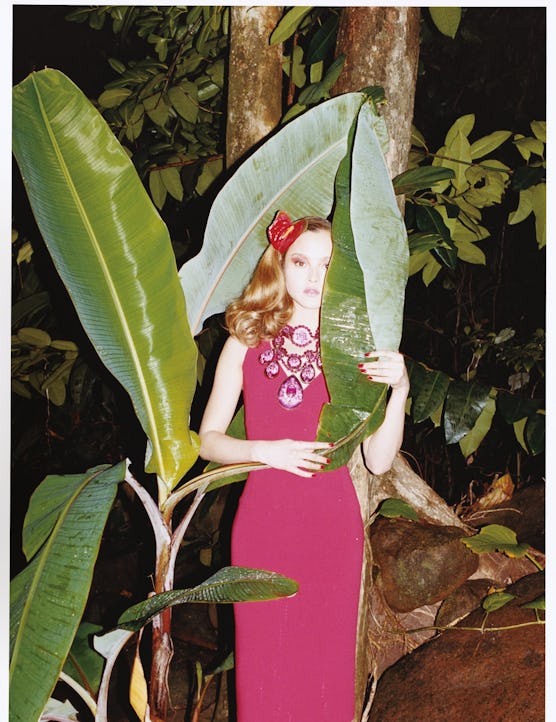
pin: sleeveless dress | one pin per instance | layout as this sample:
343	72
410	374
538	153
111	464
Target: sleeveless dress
295	657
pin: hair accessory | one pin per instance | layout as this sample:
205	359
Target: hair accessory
282	232
304	365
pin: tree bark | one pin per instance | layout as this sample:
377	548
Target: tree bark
381	45
254	79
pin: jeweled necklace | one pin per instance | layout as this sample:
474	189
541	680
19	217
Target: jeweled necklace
290	393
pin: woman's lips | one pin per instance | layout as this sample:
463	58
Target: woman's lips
312	292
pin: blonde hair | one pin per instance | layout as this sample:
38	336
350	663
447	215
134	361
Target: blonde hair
265	306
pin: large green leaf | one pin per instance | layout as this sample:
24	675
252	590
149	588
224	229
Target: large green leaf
379	232
226	586
114	255
294	171
446	19
356	405
83	663
464	404
430	221
416	179
48	597
535	433
365	284
472	440
428	391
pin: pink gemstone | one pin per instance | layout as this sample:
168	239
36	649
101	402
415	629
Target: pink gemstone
266	356
307	374
301	336
272	370
293	362
290	393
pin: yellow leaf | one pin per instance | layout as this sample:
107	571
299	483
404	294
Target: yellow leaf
538	203
470	253
34	337
524	207
539	129
501	490
436	416
463	125
157	188
138	695
519	430
417	138
464	233
460	150
430	271
24	254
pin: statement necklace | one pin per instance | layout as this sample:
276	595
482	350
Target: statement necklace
290	393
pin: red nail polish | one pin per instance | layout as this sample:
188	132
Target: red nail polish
370	378
328	461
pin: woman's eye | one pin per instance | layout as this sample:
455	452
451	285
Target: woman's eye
298	262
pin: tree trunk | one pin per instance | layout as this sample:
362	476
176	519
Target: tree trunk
401	482
381	45
254	79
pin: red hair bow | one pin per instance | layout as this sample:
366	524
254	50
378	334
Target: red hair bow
282	232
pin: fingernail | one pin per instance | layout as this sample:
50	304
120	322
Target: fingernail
360	366
370	378
331	444
328	461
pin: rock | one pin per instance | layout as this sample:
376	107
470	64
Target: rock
524	513
418	564
470	676
462	601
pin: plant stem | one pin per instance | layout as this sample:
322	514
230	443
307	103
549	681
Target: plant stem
482	630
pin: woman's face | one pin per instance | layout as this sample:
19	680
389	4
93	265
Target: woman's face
305	265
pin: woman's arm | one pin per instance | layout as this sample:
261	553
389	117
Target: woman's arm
298	457
380	449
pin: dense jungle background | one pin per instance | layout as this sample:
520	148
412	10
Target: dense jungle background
474	313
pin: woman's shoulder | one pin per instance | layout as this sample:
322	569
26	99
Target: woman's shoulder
234	346
234	350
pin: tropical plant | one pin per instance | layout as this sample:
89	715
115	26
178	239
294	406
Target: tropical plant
130	302
445	230
167	108
95	218
446	190
472	406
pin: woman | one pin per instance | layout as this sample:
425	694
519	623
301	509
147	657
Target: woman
295	657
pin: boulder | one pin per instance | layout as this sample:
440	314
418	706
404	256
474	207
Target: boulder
467	674
417	564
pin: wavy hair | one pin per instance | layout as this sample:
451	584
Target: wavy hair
265	306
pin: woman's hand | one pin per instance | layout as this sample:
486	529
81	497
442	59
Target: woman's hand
387	367
297	457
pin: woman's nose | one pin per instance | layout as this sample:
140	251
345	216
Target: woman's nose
313	274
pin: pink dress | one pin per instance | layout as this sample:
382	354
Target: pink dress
295	657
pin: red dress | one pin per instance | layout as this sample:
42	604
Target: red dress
295	657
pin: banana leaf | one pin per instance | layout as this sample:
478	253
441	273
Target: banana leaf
114	255
364	291
379	233
294	171
65	521
228	585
